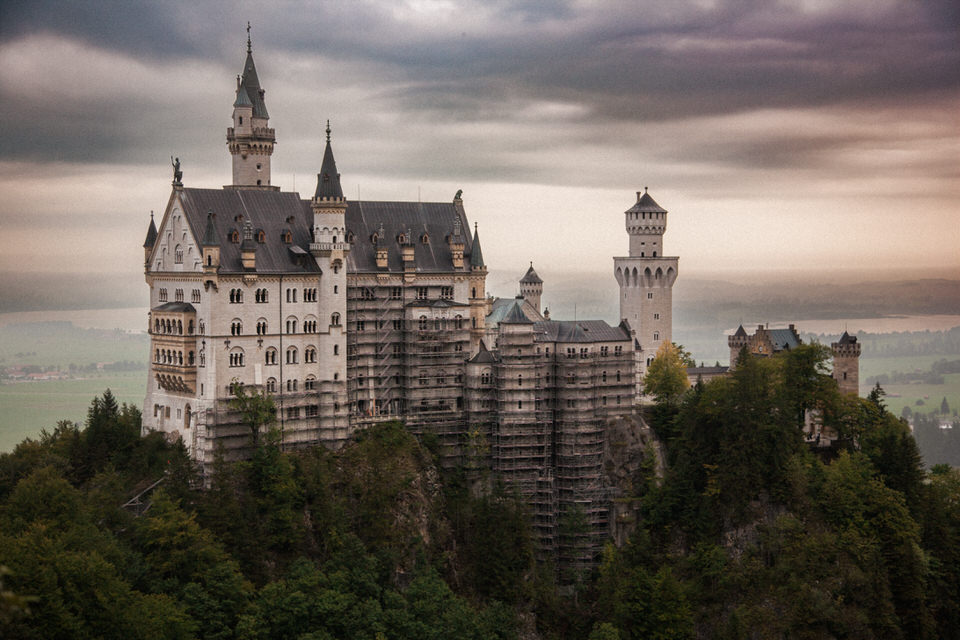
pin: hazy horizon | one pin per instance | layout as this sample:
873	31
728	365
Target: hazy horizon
778	136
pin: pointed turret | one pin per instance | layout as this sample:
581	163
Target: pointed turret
329	210
328	180
150	241
211	247
250	140
151	234
476	254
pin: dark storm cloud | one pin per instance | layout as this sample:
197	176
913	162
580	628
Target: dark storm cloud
480	64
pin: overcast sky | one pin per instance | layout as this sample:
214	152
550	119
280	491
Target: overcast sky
778	134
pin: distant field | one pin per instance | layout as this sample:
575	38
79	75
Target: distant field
59	344
28	407
910	393
876	366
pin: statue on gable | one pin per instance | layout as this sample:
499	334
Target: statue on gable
177	174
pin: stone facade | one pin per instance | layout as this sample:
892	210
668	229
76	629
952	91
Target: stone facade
646	280
353	312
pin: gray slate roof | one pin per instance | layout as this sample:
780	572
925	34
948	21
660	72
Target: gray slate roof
151	235
741	332
182	307
515	315
271	210
579	331
484	355
784	339
646	204
250	89
328	180
531	277
846	338
502	306
436	219
476	255
267	210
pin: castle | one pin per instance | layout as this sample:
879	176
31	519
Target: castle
352	312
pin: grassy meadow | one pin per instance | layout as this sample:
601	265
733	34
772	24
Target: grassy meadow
28	407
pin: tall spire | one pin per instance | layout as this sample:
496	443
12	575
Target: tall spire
476	255
328	180
250	139
151	234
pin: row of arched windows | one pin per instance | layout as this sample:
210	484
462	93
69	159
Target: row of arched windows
309	325
309	384
169	326
236	296
173	357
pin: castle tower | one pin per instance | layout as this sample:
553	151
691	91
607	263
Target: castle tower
478	293
531	288
846	363
736	342
646	279
250	140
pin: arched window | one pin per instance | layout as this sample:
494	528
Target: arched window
209	260
310	354
235	237
190	359
236	327
292	355
459	321
310	384
618	375
291	325
270	356
336	349
178	255
272	385
656	335
236	358
261	236
261	327
335	319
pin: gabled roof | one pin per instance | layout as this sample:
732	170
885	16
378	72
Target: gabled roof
151	234
328	180
272	211
249	91
476	256
783	339
436	304
502	306
516	316
413	219
483	356
531	277
846	338
579	331
646	204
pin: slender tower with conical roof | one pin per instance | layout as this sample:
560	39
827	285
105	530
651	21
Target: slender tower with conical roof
478	291
646	279
250	139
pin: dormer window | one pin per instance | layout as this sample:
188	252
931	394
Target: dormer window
261	236
402	239
238	217
373	239
287	237
425	239
235	237
350	237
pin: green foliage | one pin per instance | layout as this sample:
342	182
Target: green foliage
256	408
666	378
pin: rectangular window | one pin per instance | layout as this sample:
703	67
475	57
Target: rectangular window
195	295
312	411
178	295
396	293
397	325
446	293
571	352
650	296
421	293
361	325
656	316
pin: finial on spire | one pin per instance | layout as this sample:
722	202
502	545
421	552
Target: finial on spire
328	130
644	189
249	48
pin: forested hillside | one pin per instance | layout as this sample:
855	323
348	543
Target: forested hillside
746	534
